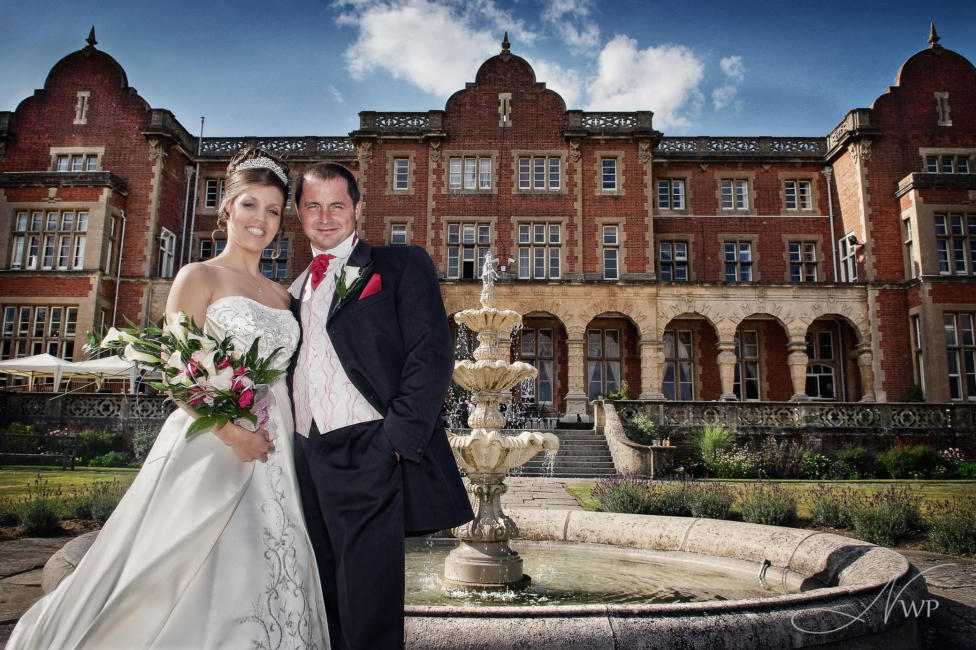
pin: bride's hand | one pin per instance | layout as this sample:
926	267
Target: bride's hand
248	445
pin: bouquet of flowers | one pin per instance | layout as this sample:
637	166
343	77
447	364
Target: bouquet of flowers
197	369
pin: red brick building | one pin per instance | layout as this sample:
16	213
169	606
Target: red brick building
772	269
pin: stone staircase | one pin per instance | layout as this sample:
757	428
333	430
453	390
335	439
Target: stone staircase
582	454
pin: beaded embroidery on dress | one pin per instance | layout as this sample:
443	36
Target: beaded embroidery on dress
204	551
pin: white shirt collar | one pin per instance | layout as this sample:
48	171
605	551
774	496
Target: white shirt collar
343	250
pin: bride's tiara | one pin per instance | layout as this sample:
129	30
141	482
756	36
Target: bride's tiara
263	162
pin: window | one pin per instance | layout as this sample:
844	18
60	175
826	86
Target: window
602	362
48	241
34	329
960	355
670	194
947	164
803	261
398	234
539	251
167	253
274	260
942	109
539	173
798	195
469	173
81	106
735	194
211	248
537	349
673	261
917	351
909	245
610	253
467	248
746	382
76	163
401	174
738	261
608	174
213	192
821	371
678	382
848	258
111	252
955	241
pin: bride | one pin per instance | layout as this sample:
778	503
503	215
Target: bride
207	549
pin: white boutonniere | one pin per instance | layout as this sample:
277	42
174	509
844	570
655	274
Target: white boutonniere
350	277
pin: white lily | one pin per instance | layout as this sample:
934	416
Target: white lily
131	354
174	325
206	343
224	379
175	360
111	336
205	359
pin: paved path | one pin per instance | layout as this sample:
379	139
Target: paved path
952	625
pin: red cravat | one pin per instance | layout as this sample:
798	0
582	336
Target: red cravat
320	265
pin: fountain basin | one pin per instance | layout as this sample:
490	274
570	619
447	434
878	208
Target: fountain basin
499	321
485	375
488	451
844	599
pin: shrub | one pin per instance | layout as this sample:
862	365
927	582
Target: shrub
952	527
623	393
92	444
815	466
641	429
768	503
886	516
97	501
21	429
913	394
737	462
712	438
38	516
8	513
781	458
712	500
143	438
966	470
623	494
906	460
829	506
853	463
111	459
671	498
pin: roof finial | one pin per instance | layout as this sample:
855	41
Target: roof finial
91	37
934	38
505	43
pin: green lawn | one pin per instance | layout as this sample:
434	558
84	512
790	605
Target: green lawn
931	491
14	482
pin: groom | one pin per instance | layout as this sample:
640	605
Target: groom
371	373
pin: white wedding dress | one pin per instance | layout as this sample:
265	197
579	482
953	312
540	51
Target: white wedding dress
204	551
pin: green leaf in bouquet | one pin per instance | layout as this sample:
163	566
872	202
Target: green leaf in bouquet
205	422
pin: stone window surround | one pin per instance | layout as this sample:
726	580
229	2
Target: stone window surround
75	151
94	232
468	153
621	169
539	153
814	194
688	239
621	245
750	179
925	239
389	222
817	242
82	105
687	195
942	109
411	173
753	239
925	152
517	220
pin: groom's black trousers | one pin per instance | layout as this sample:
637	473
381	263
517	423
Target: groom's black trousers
352	495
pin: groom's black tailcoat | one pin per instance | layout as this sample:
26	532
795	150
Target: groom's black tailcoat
395	347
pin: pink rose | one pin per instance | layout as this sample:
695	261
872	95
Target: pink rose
246	398
223	363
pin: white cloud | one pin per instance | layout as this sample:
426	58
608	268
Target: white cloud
336	95
571	19
429	45
662	79
434	45
726	95
568	83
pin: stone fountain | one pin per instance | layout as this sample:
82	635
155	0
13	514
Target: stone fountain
484	559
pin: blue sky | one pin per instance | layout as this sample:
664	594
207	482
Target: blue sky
304	67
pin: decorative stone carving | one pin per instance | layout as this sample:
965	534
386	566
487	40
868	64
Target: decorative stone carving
157	150
574	150
644	151
435	151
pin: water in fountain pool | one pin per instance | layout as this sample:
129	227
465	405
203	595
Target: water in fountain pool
575	574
